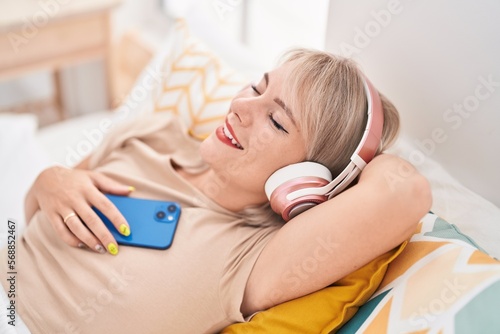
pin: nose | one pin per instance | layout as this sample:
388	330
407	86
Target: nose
241	108
248	109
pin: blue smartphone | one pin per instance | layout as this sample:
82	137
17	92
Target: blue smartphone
152	223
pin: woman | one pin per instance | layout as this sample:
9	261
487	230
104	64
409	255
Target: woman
231	256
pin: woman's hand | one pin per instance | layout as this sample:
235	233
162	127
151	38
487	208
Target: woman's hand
59	192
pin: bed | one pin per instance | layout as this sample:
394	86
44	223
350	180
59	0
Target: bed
429	57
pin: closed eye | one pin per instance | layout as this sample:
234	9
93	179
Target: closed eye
271	118
276	124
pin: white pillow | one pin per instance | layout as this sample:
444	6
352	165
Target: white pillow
70	141
21	160
475	216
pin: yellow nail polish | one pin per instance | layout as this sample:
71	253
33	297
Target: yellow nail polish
124	229
131	188
112	248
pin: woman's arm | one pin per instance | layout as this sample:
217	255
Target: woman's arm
327	242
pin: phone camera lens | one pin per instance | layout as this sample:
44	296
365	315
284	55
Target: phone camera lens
172	208
160	215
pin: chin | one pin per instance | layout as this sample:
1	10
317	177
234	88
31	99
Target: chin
210	150
206	146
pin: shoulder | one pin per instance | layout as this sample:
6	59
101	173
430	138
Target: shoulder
148	125
155	130
150	120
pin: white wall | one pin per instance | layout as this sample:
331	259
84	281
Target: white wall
275	26
270	27
429	57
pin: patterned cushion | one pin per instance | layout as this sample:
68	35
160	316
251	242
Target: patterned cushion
196	84
441	283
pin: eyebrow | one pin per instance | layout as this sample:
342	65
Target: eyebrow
285	108
281	103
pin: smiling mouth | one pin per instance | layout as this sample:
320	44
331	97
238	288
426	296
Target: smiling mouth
229	136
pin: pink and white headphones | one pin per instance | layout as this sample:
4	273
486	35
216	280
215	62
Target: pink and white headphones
296	188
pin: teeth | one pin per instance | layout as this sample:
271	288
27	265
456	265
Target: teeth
228	135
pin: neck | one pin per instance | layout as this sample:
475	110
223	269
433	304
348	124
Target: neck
222	190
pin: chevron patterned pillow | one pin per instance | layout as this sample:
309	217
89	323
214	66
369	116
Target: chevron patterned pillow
441	283
196	85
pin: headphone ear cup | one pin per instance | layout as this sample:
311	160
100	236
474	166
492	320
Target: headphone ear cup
290	208
304	175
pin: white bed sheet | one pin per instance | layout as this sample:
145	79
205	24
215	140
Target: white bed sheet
21	160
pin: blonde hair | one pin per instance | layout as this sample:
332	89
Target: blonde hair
327	92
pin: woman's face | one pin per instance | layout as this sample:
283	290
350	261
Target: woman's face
261	134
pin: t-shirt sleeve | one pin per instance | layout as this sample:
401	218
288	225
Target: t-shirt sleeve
239	265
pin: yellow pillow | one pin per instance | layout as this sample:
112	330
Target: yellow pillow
323	311
196	84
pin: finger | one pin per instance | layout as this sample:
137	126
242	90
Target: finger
80	231
108	185
62	230
108	209
95	225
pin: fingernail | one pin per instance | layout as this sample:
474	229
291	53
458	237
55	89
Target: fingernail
131	188
124	230
81	245
112	248
100	249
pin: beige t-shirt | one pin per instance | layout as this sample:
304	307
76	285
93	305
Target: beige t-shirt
196	286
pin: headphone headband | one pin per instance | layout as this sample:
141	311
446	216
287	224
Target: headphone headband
372	137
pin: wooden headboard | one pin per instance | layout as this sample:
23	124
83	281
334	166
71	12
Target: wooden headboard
439	62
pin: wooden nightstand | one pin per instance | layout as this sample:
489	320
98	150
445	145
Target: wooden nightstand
131	55
38	35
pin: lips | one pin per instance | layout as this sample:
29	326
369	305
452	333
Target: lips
225	134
